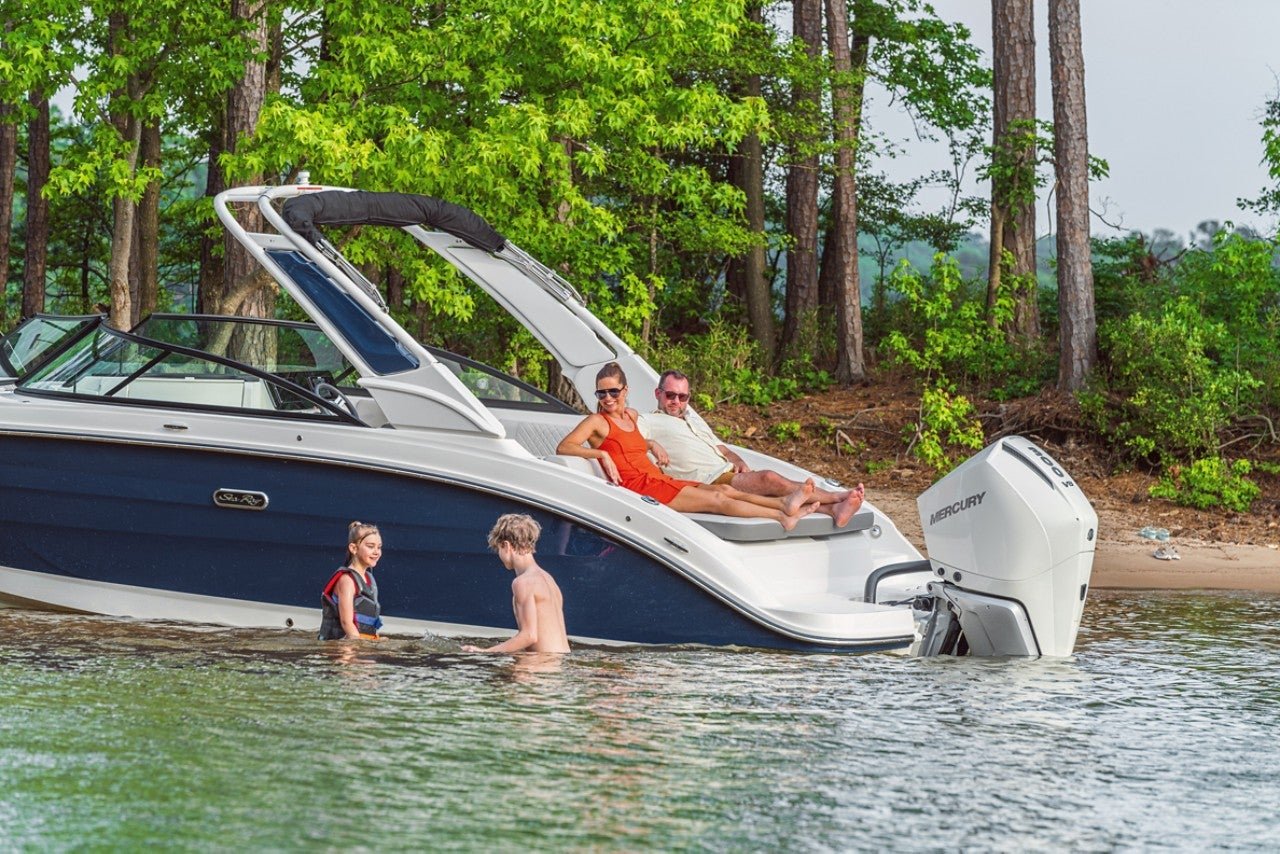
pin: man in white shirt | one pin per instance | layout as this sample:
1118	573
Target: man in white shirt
685	448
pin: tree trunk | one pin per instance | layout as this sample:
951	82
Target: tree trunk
244	103
828	267
1013	209
755	280
242	283
846	104
646	325
209	290
247	290
395	288
1078	324
124	210
798	331
8	172
37	249
995	269
148	272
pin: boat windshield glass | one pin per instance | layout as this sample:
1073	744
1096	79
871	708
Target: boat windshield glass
107	364
298	352
494	388
27	346
378	347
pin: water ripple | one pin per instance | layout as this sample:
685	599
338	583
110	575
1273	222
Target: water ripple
1159	733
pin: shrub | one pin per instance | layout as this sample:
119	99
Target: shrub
785	431
1171	385
947	422
1209	482
724	364
951	339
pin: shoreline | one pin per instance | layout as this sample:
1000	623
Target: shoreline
1203	566
1128	564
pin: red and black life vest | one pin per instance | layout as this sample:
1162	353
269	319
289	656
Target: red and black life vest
367	610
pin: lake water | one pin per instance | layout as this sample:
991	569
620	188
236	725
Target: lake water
1161	732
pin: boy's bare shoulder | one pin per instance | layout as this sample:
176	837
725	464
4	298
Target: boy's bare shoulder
533	581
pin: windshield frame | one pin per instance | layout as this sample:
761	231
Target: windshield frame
336	412
10	374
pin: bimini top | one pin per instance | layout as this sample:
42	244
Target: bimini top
339	207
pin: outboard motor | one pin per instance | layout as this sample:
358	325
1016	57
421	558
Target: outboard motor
1010	538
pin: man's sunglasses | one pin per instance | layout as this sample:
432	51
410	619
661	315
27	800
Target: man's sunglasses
675	395
602	393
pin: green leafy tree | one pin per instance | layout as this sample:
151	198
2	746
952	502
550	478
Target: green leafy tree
950	342
1169	384
566	123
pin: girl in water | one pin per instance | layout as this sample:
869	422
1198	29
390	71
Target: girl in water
349	602
615	442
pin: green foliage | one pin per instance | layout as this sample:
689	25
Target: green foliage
786	431
952	341
1013	167
1267	467
1235	282
948	424
1269	201
942	330
567	123
1171	384
724	365
876	466
1209	482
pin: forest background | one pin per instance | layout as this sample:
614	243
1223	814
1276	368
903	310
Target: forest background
700	170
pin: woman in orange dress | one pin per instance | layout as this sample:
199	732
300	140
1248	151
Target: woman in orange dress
610	437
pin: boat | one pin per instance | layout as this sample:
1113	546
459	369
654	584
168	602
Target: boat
204	469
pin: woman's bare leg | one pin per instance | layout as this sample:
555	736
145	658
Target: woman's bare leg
789	504
692	499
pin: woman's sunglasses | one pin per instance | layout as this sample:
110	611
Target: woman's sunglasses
602	393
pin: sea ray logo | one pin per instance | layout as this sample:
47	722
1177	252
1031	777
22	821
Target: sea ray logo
241	499
958	507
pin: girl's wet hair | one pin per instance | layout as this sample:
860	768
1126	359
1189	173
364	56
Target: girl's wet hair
356	532
519	529
612	369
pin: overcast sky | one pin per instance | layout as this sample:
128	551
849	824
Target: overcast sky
1174	92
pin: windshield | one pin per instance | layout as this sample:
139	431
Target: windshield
298	352
27	346
120	367
494	388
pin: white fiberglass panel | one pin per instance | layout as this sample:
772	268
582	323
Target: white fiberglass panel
570	337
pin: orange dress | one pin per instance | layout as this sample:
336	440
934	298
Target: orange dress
638	473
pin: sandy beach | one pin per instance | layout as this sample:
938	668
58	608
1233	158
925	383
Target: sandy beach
1125	560
1203	566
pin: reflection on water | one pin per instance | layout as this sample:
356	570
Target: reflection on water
1160	732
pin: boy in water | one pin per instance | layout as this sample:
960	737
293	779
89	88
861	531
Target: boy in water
535	597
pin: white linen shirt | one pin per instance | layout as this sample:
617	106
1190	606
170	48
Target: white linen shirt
689	442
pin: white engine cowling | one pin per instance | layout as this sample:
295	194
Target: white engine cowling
1010	538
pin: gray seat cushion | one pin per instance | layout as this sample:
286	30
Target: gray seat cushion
761	530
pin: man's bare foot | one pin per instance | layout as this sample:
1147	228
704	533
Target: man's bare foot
843	511
792	503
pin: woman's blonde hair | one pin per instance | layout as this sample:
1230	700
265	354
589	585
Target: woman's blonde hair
519	529
356	532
